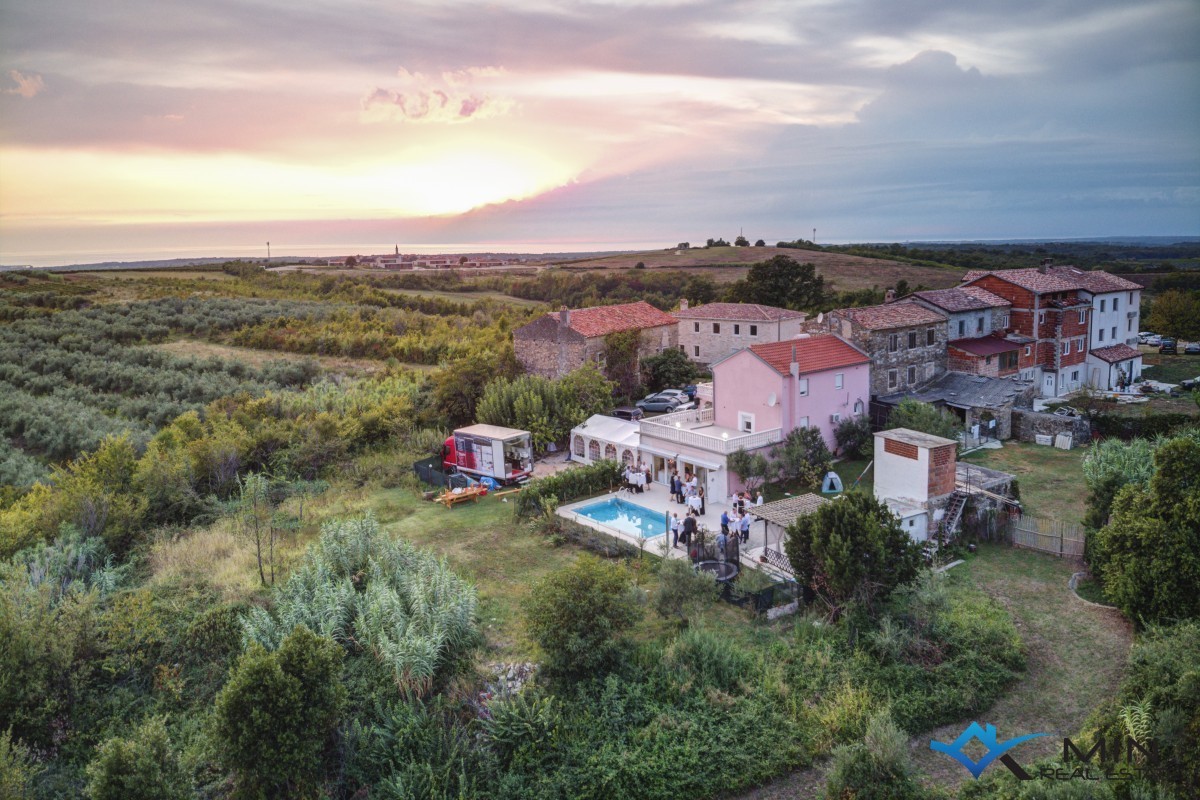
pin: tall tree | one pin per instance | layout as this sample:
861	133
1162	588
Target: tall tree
1176	313
780	281
852	550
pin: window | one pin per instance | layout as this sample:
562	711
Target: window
912	340
1041	317
1082	316
1129	326
912	375
892	379
962	328
803	422
1066	351
697	350
803	384
1028	349
737	330
716	327
745	422
1075	376
987	360
838	380
858	406
930	335
1102	302
1116	304
600	359
1004	322
754	330
683	348
979	325
1114	331
1131	298
1102	334
1079	345
696	327
893	342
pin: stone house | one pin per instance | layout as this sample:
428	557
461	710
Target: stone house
562	341
905	340
712	331
1049	320
977	326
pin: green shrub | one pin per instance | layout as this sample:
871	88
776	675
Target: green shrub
878	768
566	486
578	616
522	726
275	716
682	592
142	767
704	658
17	768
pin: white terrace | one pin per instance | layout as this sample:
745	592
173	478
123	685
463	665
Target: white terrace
697	428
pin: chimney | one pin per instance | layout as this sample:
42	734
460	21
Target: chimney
889	296
1046	262
683	304
564	317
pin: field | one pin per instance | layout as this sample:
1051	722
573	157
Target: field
461	297
1051	480
256	358
1168	368
727	264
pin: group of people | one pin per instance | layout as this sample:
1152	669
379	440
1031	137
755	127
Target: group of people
688	491
637	479
736	521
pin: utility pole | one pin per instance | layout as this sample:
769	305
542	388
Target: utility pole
268	251
814	239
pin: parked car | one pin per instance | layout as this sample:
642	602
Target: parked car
1153	340
688	406
1192	349
680	393
1144	335
1168	346
661	402
631	413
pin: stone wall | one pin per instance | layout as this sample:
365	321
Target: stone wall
548	348
732	336
1027	424
929	360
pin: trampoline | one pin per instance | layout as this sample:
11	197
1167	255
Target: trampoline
723	571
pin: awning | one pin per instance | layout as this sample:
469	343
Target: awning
699	462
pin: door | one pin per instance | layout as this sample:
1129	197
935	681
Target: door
1048	385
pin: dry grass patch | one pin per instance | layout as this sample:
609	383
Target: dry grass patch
256	358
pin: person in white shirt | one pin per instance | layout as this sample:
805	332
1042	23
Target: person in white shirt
758	501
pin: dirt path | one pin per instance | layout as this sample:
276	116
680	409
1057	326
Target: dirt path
1076	655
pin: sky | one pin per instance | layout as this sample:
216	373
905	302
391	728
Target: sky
158	125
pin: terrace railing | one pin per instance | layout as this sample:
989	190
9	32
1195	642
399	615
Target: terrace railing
681	427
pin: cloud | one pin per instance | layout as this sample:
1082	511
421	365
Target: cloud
447	98
27	85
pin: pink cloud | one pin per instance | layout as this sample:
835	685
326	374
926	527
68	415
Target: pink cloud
26	85
445	98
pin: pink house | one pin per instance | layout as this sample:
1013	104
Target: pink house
760	394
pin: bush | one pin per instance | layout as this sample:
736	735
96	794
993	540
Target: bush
853	436
275	716
918	416
566	486
579	614
17	768
802	456
682	592
878	768
142	767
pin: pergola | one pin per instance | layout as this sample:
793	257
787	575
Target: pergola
779	514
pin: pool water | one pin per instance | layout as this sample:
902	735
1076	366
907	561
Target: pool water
626	517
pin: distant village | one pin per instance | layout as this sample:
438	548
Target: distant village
413	261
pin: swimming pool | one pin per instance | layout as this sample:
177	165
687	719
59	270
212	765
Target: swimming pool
626	517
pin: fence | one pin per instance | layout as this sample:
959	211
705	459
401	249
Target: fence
430	472
1062	539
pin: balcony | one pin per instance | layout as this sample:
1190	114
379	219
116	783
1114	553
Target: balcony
698	429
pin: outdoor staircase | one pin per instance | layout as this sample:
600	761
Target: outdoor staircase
954	512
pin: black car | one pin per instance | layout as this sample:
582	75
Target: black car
631	413
1168	347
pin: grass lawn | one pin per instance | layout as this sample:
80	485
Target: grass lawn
1051	480
1076	656
1091	590
1168	369
848	471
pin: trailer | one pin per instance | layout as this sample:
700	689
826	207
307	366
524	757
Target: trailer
500	455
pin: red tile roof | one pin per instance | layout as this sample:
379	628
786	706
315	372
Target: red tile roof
985	345
1116	352
962	298
603	320
750	312
813	354
892	315
1096	281
1032	279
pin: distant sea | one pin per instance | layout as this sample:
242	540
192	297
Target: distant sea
218	253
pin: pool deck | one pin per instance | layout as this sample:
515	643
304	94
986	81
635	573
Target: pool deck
657	498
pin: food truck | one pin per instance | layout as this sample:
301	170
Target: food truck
504	455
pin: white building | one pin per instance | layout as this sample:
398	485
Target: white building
915	476
1113	326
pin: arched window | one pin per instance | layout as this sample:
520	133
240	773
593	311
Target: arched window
610	452
858	406
627	457
578	448
594	450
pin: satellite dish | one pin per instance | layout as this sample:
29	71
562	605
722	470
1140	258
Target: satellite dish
771	399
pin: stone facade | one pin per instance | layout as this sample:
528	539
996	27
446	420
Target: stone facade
551	347
711	332
1028	424
892	356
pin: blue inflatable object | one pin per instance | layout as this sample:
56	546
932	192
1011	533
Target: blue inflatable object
832	483
489	483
